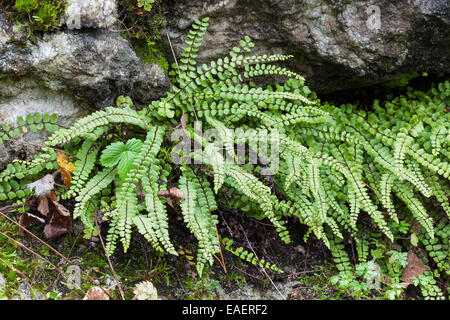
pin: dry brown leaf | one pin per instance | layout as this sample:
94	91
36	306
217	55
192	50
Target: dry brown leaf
173	193
183	121
52	196
414	268
56	215
54	231
61	209
58	226
97	293
43	206
27	219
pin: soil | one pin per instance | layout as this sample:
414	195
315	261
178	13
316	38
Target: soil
242	280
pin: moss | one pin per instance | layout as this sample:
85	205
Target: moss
36	15
13	259
143	22
150	53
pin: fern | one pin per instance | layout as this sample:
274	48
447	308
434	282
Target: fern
83	167
99	119
197	206
334	163
248	256
126	210
98	182
15	177
154	226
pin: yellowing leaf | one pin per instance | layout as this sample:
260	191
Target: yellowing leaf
66	168
67	178
64	163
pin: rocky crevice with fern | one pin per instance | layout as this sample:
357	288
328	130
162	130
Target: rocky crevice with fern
347	173
337	44
82	62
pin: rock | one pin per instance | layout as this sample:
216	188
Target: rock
27	292
94	66
2	287
336	44
413	269
90	14
2	282
23	96
5	156
71	72
376	277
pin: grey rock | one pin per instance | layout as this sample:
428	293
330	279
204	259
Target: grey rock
2	287
93	65
90	14
23	96
5	156
337	44
70	72
27	292
2	282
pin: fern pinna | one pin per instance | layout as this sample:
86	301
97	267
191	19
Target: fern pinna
333	163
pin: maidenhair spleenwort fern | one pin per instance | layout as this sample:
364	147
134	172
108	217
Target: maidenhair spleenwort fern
328	166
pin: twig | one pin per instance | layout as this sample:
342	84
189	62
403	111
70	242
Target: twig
19	272
263	270
248	274
70	251
37	254
107	258
173	52
222	261
10	208
34	263
225	221
52	249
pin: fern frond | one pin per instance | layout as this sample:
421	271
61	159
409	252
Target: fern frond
248	256
401	143
196	213
87	125
83	167
193	42
100	181
317	190
258	192
155	226
126	196
386	183
417	209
